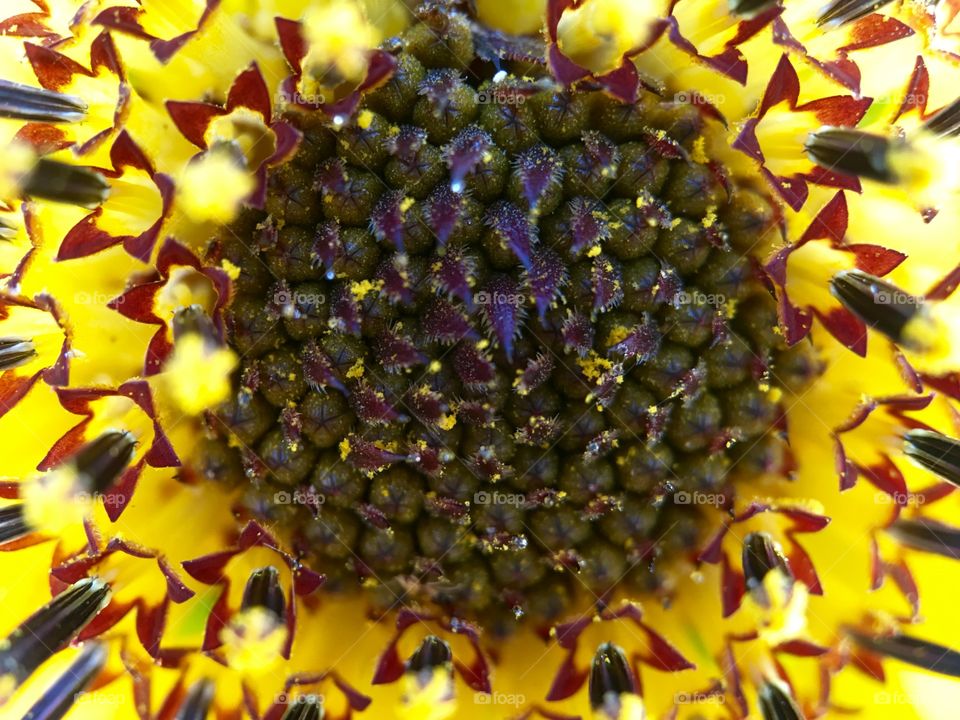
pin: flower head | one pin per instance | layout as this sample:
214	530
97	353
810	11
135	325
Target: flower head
441	359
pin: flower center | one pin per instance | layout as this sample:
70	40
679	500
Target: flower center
502	344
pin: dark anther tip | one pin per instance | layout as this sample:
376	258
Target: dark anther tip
610	677
881	305
852	152
51	628
193	320
305	708
927	535
841	12
13	524
196	704
762	554
914	651
946	121
15	352
776	704
57	700
432	653
22	102
263	590
934	452
751	7
70	184
102	461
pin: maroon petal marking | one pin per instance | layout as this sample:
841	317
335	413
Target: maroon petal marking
802	567
28	25
250	90
193	118
86	238
54	71
875	259
845	327
563	68
732	587
886	477
117	497
13	388
623	83
568	679
830	223
876	29
292	43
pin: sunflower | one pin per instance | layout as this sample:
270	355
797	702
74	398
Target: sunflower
564	359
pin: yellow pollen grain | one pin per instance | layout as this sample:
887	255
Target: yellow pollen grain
710	219
365	118
232	271
362	288
594	251
618	335
699	153
406	204
594	366
356	371
345	448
